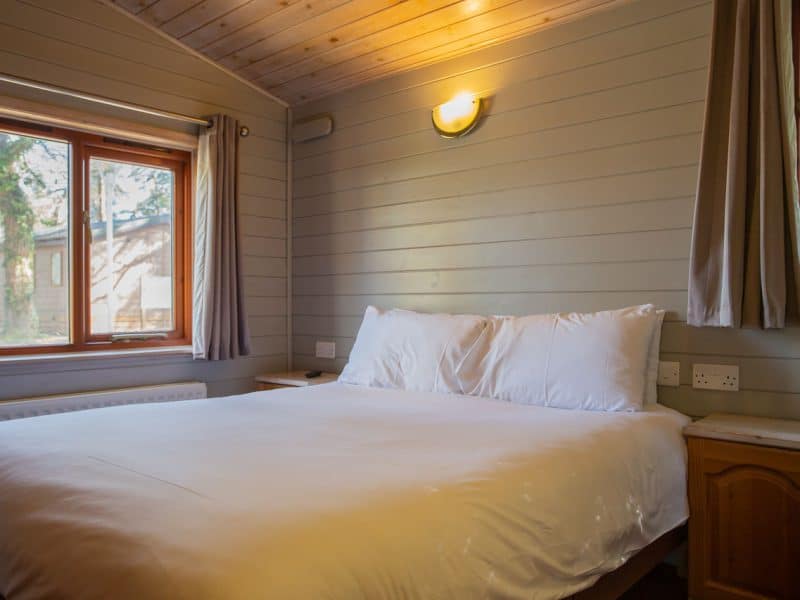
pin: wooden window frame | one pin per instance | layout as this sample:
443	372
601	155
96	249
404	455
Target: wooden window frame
83	147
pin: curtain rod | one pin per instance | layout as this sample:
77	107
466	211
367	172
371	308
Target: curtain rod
38	85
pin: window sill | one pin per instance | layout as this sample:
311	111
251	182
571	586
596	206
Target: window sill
21	363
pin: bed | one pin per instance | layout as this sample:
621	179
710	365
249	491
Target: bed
333	491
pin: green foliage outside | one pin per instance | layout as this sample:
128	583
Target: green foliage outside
18	218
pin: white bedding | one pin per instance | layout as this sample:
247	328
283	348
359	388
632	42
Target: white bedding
332	491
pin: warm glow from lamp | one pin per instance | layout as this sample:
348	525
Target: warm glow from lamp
457	116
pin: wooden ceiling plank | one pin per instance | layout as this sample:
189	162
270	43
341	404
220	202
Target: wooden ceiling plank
164	10
202	35
215	15
263	28
456	48
347	35
353	11
134	6
428	22
402	42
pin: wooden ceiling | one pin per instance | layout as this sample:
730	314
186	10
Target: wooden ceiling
301	50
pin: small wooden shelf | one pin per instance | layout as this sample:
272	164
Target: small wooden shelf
272	381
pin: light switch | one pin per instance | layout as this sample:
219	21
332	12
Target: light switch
669	373
325	350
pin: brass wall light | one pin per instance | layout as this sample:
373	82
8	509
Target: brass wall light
458	116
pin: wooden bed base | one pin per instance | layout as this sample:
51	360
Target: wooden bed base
612	585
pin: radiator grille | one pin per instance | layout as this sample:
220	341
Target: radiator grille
46	405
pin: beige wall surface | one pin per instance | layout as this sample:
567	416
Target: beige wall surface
575	193
85	45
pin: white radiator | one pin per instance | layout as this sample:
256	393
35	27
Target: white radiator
33	407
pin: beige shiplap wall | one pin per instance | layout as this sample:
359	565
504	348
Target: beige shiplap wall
575	193
86	45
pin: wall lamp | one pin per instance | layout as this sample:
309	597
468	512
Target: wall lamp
458	116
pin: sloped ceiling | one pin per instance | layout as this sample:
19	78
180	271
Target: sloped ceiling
300	50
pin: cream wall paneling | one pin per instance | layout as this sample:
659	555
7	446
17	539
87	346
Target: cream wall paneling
575	193
88	46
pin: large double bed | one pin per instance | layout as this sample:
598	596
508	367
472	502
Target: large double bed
333	491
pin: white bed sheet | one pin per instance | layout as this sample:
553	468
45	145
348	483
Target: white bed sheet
332	491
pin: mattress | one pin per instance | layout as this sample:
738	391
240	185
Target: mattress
332	491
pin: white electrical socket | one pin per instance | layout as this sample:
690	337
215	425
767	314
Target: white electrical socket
325	350
715	377
669	373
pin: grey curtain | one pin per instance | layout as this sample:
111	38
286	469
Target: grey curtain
219	319
745	255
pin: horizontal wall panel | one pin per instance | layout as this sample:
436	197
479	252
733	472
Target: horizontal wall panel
274	208
668	275
158	370
699	403
263	187
266	306
636	187
644	216
783	343
252	164
262	227
670	152
648	96
603	133
267	325
263	246
520	303
266	344
262	147
264	266
263	286
655	245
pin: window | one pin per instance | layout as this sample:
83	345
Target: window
93	242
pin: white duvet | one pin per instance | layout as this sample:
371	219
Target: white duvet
332	491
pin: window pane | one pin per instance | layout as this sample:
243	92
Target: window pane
131	209
34	228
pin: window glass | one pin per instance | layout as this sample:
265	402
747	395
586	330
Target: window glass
34	225
131	210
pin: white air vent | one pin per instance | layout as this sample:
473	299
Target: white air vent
312	129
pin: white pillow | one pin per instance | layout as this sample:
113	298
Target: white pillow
651	394
406	350
594	361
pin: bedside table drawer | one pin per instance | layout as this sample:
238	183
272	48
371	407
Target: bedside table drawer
745	520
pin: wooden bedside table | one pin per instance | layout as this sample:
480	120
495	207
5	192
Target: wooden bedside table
744	498
274	381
